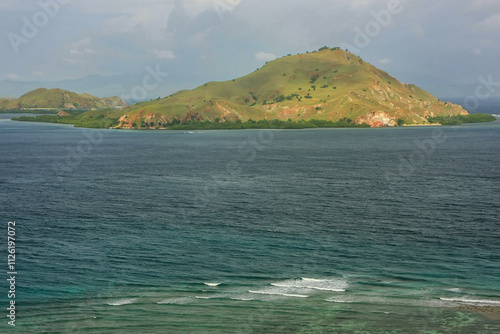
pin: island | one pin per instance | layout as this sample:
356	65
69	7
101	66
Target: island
52	101
330	87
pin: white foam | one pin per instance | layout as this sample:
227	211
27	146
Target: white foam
212	284
296	296
312	279
378	300
271	292
123	302
332	300
242	298
454	290
472	301
220	295
179	301
333	285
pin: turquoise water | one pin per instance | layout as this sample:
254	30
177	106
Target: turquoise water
304	231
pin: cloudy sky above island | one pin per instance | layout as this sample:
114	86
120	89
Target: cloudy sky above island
437	44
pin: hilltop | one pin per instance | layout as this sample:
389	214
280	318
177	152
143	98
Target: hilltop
59	99
329	84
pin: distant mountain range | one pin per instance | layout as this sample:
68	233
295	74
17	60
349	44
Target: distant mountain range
101	86
96	85
57	98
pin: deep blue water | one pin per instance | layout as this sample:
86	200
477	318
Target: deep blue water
311	231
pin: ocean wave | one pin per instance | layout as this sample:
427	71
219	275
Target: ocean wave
217	296
123	302
307	279
277	293
302	288
242	298
379	300
472	301
333	285
178	301
334	300
212	284
454	290
363	300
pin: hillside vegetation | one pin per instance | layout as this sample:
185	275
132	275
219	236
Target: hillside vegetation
461	119
330	84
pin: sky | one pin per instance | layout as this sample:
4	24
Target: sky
446	47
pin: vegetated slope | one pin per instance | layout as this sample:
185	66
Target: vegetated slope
58	98
330	84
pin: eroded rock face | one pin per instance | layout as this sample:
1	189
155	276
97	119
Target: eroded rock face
377	119
62	113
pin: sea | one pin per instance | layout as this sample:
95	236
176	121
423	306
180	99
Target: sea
392	230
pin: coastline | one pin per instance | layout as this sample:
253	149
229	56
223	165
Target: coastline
98	123
411	125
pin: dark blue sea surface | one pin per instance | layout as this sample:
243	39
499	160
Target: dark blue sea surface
392	230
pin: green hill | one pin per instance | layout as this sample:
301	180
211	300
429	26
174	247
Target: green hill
326	88
330	84
59	99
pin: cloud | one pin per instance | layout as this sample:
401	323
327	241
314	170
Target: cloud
264	56
79	51
385	61
120	24
118	7
199	37
149	18
358	4
482	6
151	24
222	6
418	30
13	76
82	47
19	5
38	73
196	7
490	24
164	54
71	61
